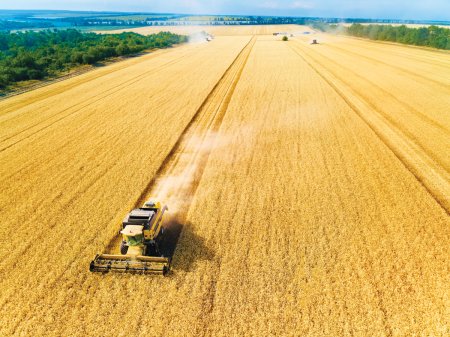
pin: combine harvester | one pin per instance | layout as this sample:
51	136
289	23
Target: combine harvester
142	233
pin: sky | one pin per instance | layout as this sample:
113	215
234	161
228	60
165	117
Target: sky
389	9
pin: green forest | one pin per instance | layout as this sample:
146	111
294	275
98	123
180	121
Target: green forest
431	36
37	55
6	25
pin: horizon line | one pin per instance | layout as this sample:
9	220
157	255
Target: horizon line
229	14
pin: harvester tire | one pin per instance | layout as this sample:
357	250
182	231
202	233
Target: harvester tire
123	248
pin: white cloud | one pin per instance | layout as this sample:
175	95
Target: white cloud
301	5
286	5
270	5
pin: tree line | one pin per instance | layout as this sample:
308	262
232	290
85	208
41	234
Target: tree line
431	36
37	55
11	25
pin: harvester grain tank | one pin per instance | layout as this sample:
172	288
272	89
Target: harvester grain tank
142	239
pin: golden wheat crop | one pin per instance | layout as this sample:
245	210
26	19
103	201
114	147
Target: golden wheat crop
217	30
311	183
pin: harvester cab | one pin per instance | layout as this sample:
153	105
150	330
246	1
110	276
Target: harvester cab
143	227
142	234
132	240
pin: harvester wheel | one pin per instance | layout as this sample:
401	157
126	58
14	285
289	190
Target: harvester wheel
123	248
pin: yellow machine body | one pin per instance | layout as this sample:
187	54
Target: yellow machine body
142	231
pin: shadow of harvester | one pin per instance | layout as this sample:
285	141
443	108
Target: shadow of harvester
189	246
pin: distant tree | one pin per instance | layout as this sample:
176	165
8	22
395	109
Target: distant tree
432	36
3	42
285	38
88	58
77	58
34	55
4	80
122	49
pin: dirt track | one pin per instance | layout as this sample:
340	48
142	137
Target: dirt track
314	197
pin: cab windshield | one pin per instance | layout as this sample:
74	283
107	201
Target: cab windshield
135	240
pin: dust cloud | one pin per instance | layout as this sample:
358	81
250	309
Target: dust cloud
198	37
176	187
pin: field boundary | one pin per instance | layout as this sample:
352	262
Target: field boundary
91	74
423	168
74	73
91	101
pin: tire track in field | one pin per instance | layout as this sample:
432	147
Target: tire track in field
407	107
91	100
426	171
203	139
338	204
404	54
410	108
179	176
206	120
189	151
416	76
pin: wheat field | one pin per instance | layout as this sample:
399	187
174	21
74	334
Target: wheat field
310	185
218	30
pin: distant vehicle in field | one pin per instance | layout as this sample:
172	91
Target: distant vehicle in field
314	42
